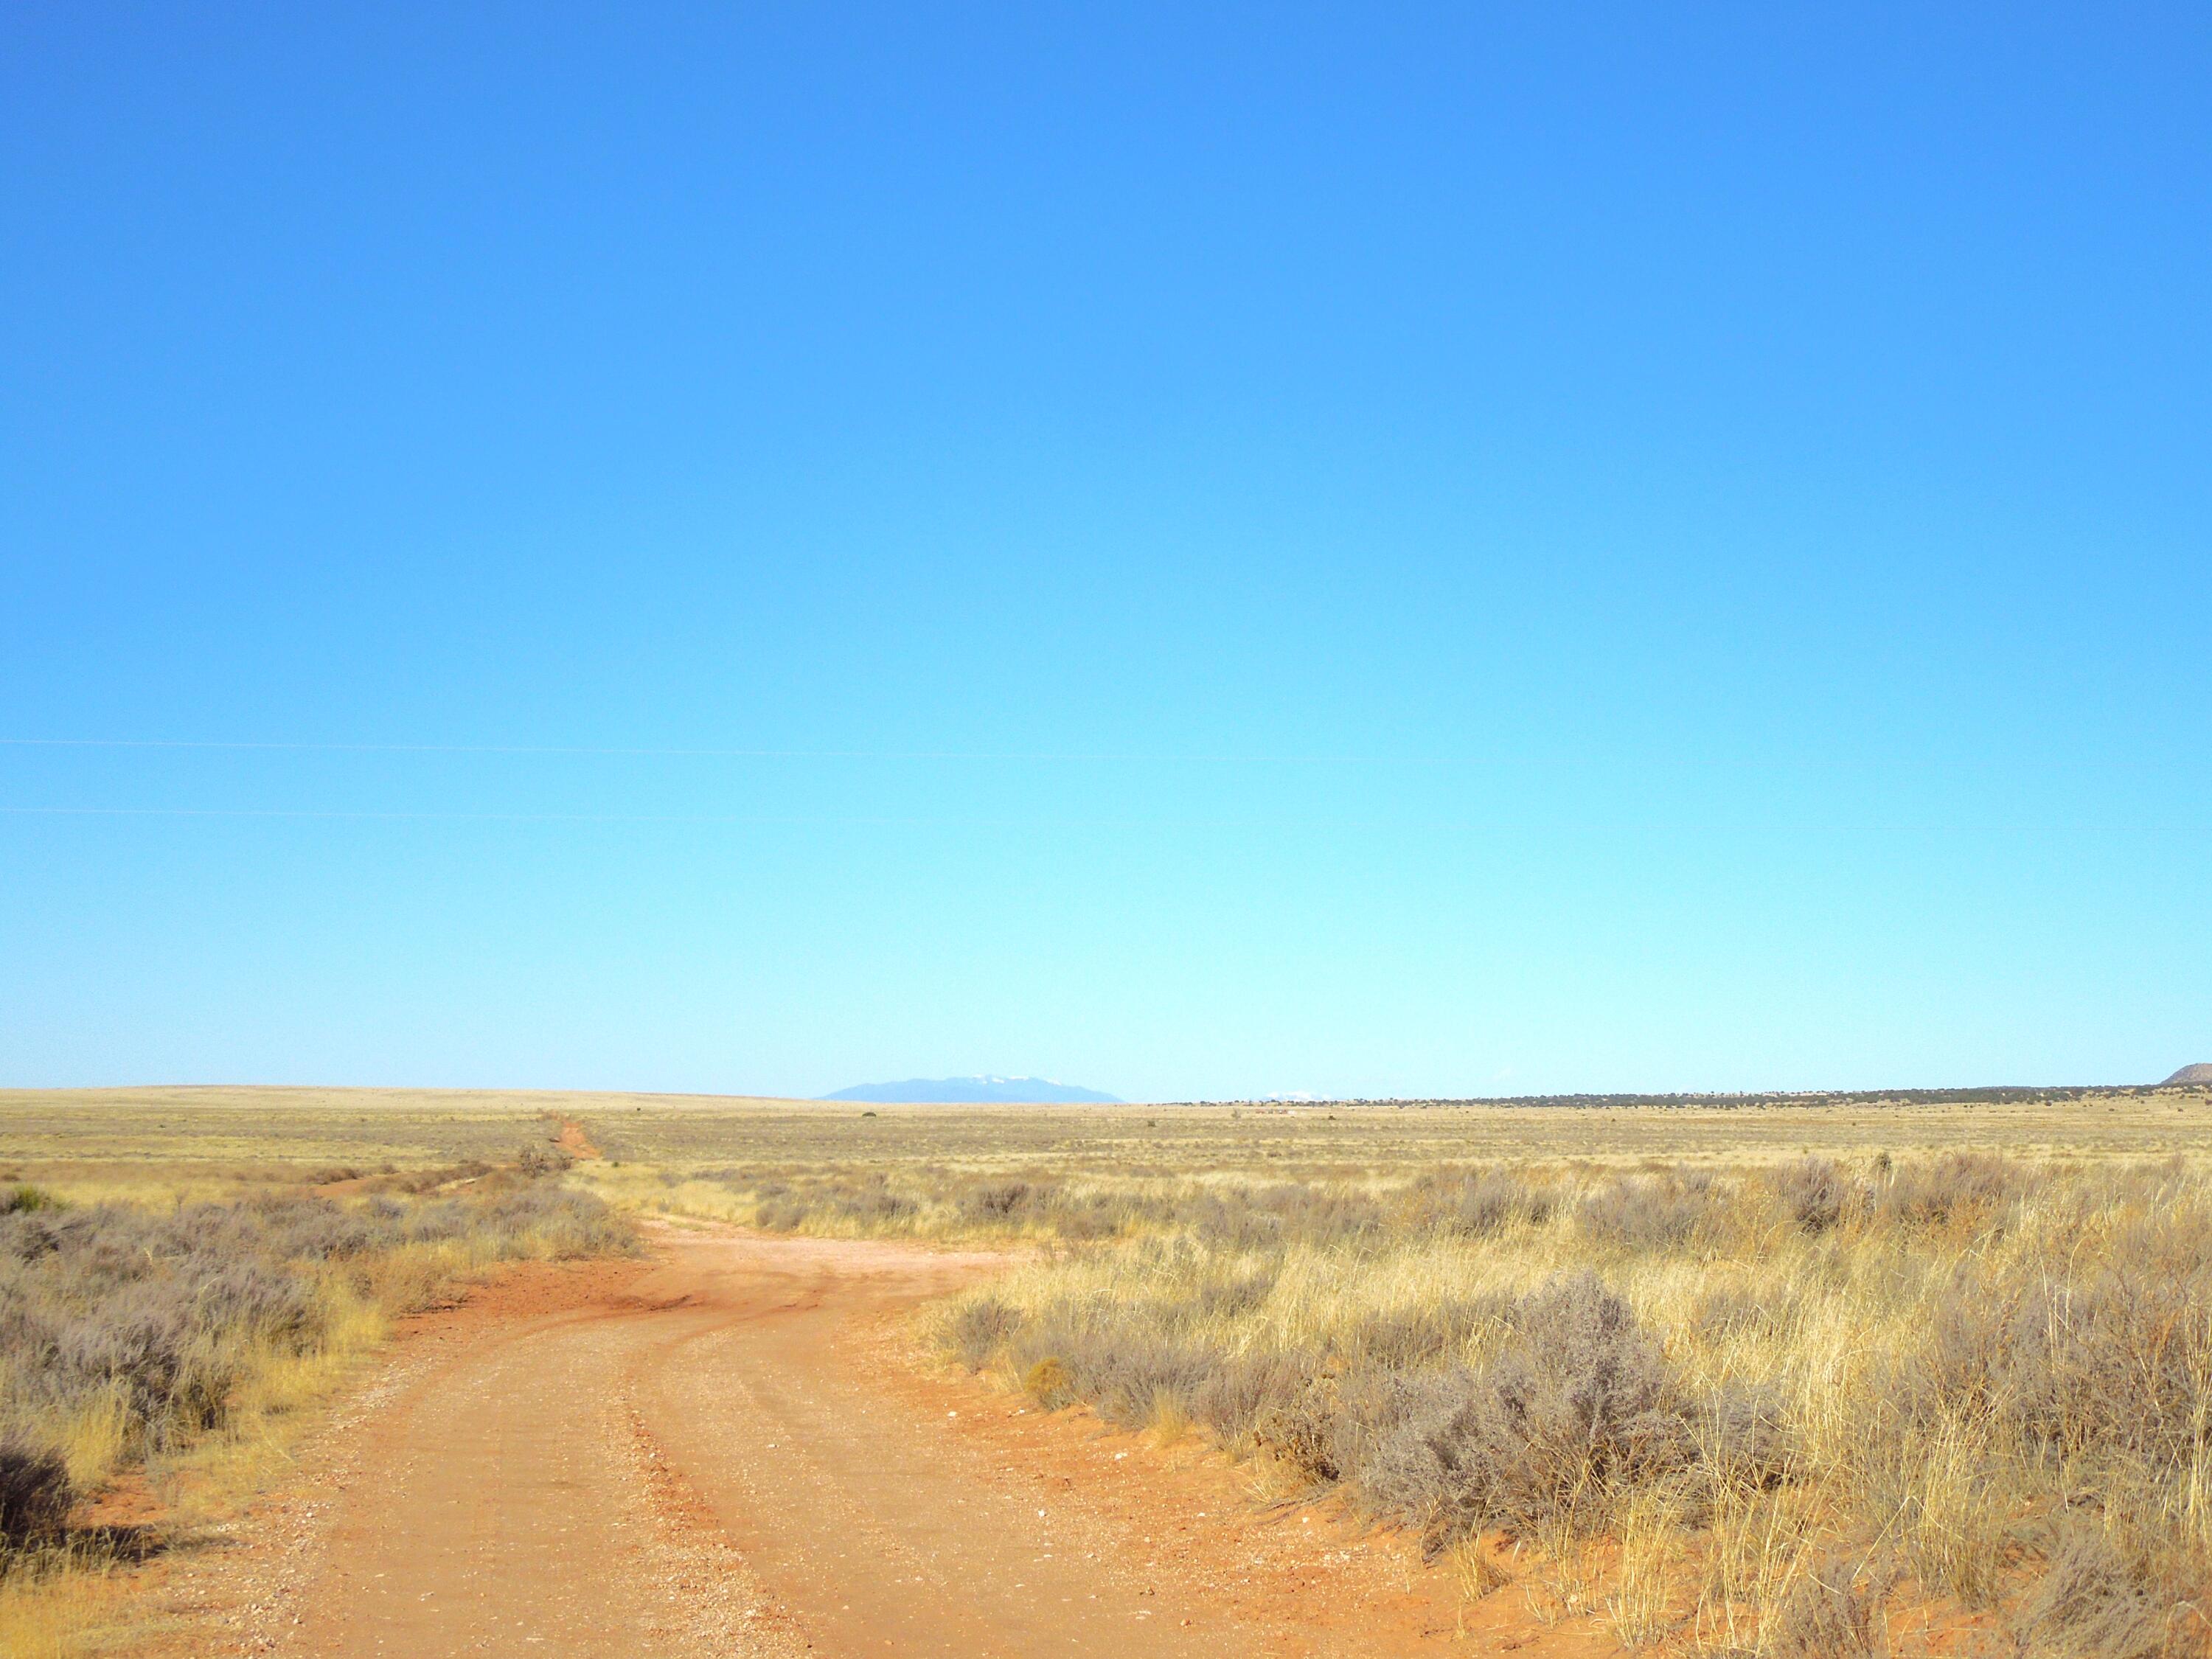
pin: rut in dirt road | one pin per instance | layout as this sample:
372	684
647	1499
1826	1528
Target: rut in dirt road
713	1461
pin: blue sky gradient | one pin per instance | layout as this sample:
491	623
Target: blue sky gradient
1360	550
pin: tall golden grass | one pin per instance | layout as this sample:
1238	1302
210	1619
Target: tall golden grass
1818	1409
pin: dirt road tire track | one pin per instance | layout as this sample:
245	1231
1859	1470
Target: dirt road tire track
721	1452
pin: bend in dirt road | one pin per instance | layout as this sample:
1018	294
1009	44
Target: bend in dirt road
727	1451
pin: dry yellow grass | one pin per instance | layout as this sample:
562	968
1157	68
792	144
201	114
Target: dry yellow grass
228	1139
1987	1385
1324	1236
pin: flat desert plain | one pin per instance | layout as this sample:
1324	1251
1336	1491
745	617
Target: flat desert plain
400	1373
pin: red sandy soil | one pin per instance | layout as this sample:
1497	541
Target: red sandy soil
573	1140
733	1449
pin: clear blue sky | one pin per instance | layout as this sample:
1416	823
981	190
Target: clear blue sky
1369	550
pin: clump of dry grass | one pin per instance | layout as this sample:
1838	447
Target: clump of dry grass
1796	1402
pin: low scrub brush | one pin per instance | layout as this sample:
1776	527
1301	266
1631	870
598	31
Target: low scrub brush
126	1332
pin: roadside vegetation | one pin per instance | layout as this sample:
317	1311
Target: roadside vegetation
1819	1409
1786	1378
1955	1403
138	1340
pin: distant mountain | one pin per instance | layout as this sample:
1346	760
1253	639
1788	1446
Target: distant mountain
2192	1075
969	1091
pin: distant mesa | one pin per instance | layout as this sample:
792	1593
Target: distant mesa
973	1091
2192	1075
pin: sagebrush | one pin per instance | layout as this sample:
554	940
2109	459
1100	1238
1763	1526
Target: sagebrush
127	1332
1853	1392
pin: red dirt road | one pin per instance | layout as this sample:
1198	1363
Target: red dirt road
726	1452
